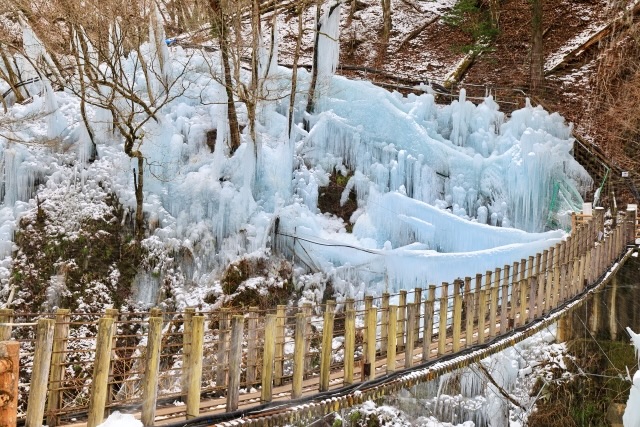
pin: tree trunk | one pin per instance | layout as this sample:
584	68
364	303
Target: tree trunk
220	31
11	77
314	70
294	70
494	11
537	56
139	196
254	89
386	20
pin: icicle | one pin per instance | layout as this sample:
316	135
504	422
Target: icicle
56	123
328	45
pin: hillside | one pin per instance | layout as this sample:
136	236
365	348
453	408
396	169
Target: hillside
148	202
253	154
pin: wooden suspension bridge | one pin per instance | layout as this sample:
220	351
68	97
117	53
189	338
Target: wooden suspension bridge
293	364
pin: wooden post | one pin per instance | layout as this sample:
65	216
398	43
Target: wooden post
476	294
595	273
307	309
428	323
368	303
384	323
594	321
268	355
152	368
515	290
560	252
223	357
58	357
542	280
548	302
515	303
252	347
533	289
40	374
564	327
562	283
6	316
417	299
411	335
402	319
504	296
632	221
611	247
371	340
235	357
278	370
349	342
591	273
187	330
482	313
576	280
596	261
442	330
573	247
493	301
556	287
470	315
613	310
100	383
584	265
326	350
524	291
598	216
391	344
10	360
194	369
566	249
457	315
467	298
114	314
298	356
602	263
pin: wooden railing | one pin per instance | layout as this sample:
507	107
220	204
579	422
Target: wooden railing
216	361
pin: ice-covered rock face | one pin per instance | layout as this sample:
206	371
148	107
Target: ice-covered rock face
462	157
430	180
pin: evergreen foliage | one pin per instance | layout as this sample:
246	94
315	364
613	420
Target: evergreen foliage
474	19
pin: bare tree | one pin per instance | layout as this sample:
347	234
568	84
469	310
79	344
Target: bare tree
294	72
220	30
107	59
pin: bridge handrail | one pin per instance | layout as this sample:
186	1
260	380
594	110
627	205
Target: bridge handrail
155	357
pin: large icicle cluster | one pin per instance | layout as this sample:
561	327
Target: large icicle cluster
432	182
